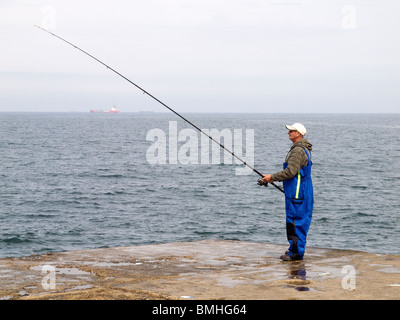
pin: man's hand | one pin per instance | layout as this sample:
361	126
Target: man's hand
267	178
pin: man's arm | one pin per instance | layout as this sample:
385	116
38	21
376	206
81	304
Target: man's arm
295	162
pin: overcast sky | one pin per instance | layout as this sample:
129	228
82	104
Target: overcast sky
202	55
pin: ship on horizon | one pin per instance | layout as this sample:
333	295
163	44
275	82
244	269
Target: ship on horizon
114	109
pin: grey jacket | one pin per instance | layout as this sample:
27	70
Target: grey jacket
296	158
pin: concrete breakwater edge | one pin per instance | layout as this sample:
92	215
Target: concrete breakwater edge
200	270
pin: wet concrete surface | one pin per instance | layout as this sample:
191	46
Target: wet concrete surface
210	269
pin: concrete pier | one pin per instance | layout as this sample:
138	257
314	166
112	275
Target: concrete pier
210	269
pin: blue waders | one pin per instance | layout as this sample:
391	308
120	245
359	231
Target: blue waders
299	202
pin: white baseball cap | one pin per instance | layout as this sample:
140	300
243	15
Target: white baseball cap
298	127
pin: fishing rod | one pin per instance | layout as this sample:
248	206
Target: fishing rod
260	182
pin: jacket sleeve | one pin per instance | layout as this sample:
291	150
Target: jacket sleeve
295	161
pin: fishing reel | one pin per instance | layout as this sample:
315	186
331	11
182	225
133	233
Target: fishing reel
261	182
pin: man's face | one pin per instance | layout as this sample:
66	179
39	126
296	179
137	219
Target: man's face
294	135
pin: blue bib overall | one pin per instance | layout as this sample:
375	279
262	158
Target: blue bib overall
299	202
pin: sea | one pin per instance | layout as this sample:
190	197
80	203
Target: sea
72	181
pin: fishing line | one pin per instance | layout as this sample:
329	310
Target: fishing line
159	101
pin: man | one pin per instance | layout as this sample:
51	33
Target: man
299	197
